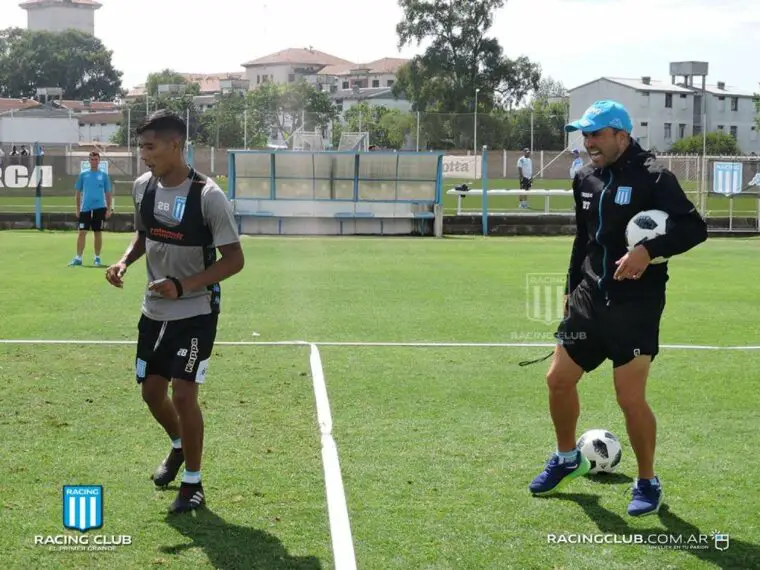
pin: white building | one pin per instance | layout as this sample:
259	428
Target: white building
61	15
43	124
665	112
344	80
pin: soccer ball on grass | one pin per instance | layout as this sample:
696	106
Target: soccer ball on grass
602	449
645	226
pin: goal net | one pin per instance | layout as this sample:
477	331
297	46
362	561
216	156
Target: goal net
309	141
354	141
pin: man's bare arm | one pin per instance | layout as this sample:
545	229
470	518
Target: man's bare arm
135	250
231	262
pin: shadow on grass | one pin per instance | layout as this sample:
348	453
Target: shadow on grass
231	546
610	479
739	555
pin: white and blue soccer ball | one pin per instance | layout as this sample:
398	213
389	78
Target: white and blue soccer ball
602	449
645	226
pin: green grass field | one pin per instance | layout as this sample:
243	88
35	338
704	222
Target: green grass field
437	444
62	200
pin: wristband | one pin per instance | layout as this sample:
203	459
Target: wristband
177	284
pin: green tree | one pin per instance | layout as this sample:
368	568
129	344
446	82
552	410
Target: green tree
549	88
75	61
231	124
135	112
718	144
460	58
287	108
387	128
547	129
396	125
757	107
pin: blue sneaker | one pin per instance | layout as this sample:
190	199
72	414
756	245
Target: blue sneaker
647	498
97	261
557	475
75	261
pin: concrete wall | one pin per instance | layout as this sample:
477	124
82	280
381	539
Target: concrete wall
58	19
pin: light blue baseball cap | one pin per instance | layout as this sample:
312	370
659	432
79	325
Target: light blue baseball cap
602	114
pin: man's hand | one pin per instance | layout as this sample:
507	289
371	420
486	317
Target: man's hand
633	264
115	273
164	287
109	213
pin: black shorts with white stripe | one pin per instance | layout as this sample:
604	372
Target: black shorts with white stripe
175	349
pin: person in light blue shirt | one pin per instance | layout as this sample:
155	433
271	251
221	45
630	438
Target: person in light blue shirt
577	163
93	199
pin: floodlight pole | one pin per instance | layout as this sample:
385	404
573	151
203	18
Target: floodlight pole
475	126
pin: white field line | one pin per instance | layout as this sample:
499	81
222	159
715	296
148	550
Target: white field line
340	526
371	344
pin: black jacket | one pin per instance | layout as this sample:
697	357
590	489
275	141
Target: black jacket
602	214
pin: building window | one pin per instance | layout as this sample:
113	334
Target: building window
734	103
389	83
668	100
734	132
681	131
668	131
291	77
345	85
721	128
375	83
258	79
644	124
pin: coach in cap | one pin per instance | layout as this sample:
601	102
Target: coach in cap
615	297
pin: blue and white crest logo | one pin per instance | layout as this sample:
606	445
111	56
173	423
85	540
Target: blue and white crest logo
721	541
179	207
83	507
623	195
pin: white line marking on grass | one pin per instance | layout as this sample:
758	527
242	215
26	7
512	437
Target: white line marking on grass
373	344
340	526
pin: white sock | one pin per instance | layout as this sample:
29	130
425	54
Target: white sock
177	443
193	477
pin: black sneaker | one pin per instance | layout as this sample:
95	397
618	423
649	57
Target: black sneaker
190	497
167	471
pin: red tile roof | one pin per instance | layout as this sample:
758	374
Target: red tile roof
79	106
16	104
99	118
297	56
382	66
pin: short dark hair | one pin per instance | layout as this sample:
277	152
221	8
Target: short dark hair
163	122
94	153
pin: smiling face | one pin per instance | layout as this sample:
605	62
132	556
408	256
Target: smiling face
605	146
160	152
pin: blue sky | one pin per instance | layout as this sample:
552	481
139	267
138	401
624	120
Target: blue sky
583	39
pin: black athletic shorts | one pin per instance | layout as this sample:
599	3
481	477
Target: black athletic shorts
92	220
175	349
525	183
595	329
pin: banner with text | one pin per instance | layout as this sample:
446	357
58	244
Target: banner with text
465	167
